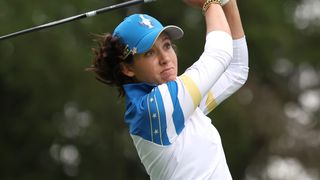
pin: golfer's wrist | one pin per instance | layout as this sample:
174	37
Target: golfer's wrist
206	5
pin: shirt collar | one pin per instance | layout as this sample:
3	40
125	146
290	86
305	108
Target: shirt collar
137	89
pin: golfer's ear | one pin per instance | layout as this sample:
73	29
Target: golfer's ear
127	70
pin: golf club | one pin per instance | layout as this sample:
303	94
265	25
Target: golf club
76	17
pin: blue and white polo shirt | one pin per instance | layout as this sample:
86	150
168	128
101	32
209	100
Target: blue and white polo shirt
168	124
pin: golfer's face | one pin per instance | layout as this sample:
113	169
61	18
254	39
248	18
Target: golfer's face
158	65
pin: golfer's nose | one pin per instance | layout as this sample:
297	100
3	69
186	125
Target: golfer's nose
164	57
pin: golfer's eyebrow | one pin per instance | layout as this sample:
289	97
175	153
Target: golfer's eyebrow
165	38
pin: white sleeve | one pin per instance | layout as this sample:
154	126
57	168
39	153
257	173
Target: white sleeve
231	80
196	82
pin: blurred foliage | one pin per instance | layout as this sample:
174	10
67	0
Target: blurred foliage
57	122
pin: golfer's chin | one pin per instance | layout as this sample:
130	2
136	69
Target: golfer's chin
168	75
168	78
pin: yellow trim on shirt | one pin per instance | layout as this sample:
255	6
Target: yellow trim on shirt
210	102
192	89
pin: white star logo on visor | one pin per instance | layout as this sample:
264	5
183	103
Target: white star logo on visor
146	22
134	51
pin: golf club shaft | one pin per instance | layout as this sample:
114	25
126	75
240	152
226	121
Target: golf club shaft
76	17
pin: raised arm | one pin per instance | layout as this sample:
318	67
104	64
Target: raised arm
216	19
203	74
237	72
234	20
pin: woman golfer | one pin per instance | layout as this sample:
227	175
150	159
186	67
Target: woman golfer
166	113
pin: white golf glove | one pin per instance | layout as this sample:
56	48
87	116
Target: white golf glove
224	2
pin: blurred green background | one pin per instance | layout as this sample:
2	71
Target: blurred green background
58	122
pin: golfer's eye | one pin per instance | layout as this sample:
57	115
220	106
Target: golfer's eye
149	53
167	45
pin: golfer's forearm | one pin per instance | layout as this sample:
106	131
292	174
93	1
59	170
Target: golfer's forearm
216	20
233	17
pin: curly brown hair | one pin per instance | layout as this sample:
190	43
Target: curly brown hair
108	61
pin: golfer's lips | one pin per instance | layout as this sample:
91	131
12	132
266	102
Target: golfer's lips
166	70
